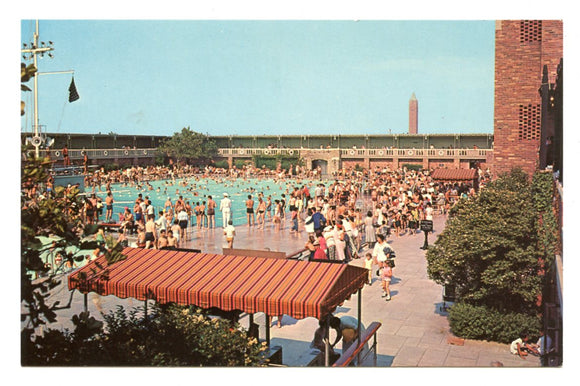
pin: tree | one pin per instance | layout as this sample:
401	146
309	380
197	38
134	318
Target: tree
488	249
56	216
26	73
170	336
189	146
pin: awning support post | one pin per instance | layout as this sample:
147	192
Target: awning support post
359	324
145	308
327	343
268	330
86	302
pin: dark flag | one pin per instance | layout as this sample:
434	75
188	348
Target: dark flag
73	95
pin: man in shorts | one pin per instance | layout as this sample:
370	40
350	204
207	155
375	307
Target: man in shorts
150	232
182	218
250	211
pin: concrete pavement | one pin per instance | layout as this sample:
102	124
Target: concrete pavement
414	332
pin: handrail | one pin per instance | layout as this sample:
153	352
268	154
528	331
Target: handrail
249	152
360	153
298	252
353	351
102	153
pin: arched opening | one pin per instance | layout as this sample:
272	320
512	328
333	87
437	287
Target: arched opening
322	164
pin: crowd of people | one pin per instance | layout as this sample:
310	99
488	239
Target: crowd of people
339	215
347	217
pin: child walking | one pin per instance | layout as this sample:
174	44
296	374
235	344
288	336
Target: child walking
386	276
230	232
369	266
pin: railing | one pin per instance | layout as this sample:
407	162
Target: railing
76	154
355	351
363	153
248	152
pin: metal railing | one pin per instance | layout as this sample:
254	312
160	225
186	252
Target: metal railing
363	153
357	351
79	154
76	154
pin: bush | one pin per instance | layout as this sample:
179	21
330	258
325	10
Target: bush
240	163
414	167
221	164
479	322
110	167
170	336
271	161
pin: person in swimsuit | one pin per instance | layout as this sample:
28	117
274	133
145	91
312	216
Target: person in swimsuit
182	218
162	242
150	232
203	215
211	205
172	241
109	203
250	211
261	212
269	208
198	215
141	242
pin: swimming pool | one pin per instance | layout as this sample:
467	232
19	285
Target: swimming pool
198	189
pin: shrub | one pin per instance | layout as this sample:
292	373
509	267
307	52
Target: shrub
170	336
479	322
221	164
414	167
488	249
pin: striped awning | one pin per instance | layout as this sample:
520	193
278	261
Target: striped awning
251	284
454	174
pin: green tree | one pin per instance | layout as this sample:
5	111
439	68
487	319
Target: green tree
171	336
189	146
26	73
488	249
56	217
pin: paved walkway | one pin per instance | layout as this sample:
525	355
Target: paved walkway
414	331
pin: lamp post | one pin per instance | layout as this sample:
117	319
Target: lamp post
32	53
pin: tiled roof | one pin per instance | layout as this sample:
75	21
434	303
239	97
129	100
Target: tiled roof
454	174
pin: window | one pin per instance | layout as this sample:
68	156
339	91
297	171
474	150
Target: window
530	31
529	122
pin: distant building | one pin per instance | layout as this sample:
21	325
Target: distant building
413	115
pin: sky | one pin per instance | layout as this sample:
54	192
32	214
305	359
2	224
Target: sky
256	77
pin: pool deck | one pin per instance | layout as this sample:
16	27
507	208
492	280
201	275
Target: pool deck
414	331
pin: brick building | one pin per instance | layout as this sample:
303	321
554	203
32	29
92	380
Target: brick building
413	115
522	49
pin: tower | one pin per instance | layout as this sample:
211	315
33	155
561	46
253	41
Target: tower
413	115
522	49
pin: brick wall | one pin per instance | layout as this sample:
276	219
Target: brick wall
522	47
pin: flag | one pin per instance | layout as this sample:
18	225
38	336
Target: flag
73	95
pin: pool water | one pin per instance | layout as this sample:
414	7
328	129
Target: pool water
198	190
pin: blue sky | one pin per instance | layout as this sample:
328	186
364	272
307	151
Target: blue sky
265	76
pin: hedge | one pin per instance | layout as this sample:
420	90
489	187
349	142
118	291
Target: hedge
482	323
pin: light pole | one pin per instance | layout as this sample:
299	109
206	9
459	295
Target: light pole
33	52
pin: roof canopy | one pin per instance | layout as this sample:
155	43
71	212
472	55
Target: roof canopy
454	174
251	284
